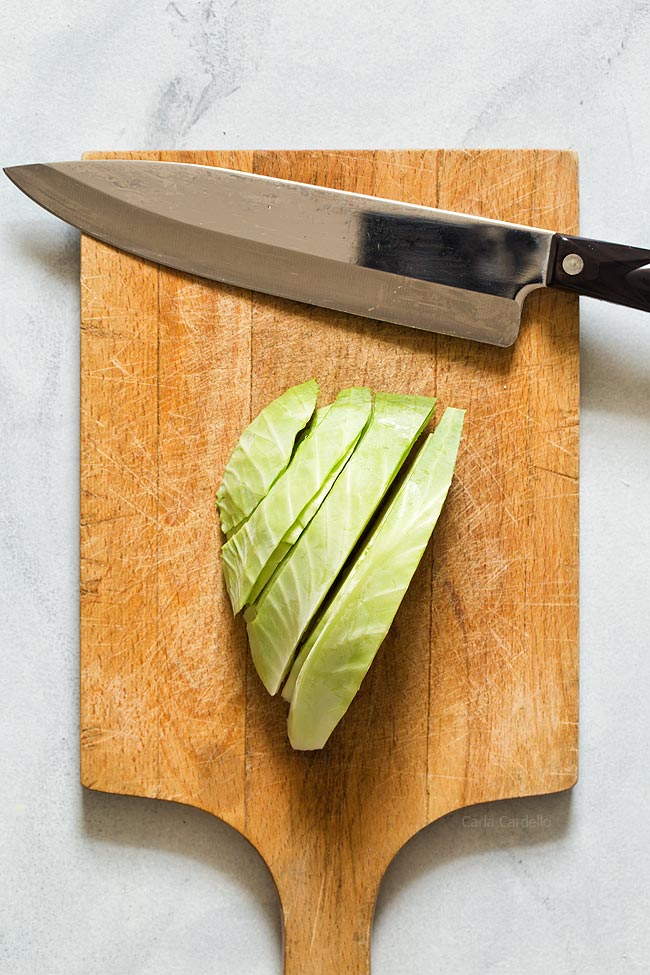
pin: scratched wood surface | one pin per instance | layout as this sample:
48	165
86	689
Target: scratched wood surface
473	695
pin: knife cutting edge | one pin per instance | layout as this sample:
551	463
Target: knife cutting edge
397	262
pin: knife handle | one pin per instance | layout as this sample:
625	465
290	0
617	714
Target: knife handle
612	272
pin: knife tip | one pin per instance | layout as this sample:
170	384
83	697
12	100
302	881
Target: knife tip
13	172
26	178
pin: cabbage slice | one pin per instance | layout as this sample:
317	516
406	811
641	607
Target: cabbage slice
287	505
297	529
340	649
262	453
277	622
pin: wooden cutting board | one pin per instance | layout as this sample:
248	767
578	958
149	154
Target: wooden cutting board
473	695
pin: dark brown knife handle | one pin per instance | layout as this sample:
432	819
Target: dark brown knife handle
612	272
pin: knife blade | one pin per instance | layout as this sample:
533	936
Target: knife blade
398	262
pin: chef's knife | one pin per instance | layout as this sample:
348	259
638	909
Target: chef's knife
396	262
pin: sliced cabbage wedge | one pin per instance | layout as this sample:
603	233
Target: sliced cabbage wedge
298	527
277	622
262	453
287	505
340	649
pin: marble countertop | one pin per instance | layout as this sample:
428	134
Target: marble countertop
104	885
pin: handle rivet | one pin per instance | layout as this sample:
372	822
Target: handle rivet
573	264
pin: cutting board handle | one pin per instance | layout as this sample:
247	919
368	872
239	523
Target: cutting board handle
327	926
612	272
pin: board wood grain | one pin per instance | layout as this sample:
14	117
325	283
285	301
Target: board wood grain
473	695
